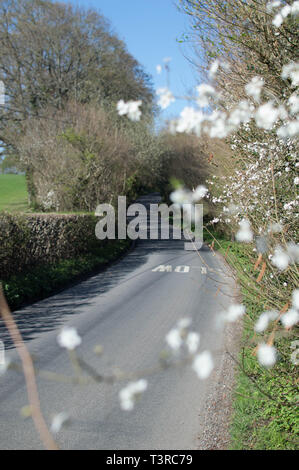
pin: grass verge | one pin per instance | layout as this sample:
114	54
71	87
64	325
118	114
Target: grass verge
44	280
265	415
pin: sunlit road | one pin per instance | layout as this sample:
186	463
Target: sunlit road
128	309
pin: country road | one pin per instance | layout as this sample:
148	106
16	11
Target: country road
128	309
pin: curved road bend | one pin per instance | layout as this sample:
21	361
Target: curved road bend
128	309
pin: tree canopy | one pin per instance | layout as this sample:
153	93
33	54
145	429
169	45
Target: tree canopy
53	52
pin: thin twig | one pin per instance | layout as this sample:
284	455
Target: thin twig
29	374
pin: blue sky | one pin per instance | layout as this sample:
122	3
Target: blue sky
150	28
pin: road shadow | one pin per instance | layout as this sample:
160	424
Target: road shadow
49	313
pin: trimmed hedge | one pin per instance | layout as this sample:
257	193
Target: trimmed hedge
29	240
43	280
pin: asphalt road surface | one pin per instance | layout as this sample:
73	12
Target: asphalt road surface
128	309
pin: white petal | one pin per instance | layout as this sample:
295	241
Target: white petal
290	318
68	338
174	339
266	355
203	365
58	421
192	342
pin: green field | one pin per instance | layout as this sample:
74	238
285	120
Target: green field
13	193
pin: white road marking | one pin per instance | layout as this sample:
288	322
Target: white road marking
163	268
182	269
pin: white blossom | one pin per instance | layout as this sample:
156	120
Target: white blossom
262	323
58	421
214	68
285	11
254	88
131	109
280	259
264	320
278	20
190	121
266	115
293	252
293	102
295	8
68	338
129	394
166	97
203	364
234	312
181	196
295	299
241	114
192	342
122	107
266	355
179	336
290	129
290	318
205	93
291	71
244	234
159	69
199	193
50	200
219	127
272	5
174	339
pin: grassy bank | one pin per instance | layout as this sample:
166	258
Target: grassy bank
45	280
13	193
265	412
